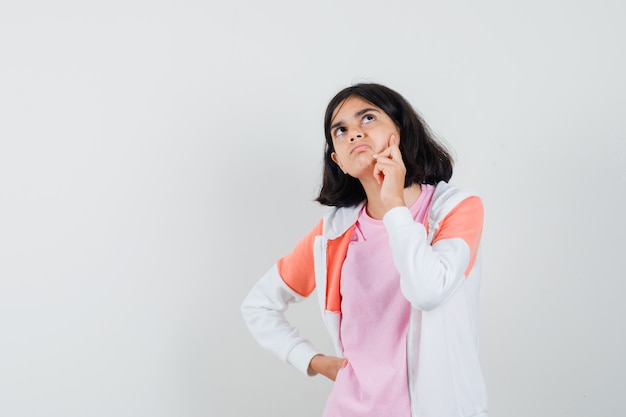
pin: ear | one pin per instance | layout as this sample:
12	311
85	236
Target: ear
333	156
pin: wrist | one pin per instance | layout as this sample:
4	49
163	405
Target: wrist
393	203
313	364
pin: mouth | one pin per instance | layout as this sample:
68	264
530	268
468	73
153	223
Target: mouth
360	147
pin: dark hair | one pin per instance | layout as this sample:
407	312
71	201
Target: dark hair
426	160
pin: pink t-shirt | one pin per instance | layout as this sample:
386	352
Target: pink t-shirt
374	322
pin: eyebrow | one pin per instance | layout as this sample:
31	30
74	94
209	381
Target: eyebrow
357	114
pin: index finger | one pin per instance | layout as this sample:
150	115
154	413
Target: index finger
394	147
388	152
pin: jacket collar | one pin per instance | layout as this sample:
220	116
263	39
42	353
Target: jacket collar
338	220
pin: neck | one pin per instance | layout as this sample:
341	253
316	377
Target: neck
376	208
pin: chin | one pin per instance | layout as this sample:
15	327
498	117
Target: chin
365	172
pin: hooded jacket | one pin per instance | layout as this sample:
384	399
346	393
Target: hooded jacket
440	266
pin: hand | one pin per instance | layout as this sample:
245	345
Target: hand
327	365
390	172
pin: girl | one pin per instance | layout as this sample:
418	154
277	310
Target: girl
396	265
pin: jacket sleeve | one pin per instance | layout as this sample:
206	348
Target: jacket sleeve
430	273
292	279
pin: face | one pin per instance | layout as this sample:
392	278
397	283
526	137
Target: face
359	129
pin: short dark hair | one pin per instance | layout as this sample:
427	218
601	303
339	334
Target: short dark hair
427	161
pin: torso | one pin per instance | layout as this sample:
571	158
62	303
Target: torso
375	318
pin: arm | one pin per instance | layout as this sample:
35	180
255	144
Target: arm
264	312
429	274
292	279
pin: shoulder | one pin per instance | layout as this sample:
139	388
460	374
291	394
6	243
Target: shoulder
447	197
338	220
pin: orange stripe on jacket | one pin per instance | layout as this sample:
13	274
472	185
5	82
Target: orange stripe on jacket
298	271
339	248
465	221
298	268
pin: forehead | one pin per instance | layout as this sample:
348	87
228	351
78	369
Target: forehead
350	107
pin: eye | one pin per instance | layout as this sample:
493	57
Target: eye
368	118
339	131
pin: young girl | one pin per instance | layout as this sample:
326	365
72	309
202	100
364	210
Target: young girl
396	265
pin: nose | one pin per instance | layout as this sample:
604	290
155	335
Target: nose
354	134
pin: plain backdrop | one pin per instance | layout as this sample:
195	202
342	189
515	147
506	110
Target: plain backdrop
157	157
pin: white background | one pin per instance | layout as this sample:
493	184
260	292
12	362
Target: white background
157	157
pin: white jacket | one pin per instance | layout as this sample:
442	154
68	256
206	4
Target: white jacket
439	264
